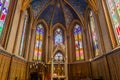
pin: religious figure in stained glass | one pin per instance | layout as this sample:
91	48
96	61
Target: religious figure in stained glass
94	35
78	42
39	42
58	36
4	5
114	11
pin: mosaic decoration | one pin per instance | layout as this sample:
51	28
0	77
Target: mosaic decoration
69	13
78	42
58	36
47	14
23	36
37	5
39	42
79	5
94	36
114	11
4	5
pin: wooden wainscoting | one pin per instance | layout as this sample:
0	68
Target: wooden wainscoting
4	65
100	69
12	67
107	66
78	71
114	64
18	69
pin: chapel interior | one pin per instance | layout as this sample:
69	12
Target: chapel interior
59	39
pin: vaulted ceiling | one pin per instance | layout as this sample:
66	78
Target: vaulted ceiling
58	11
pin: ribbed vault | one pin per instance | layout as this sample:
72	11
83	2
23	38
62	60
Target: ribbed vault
58	11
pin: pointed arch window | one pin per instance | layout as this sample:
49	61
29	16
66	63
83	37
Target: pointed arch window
39	42
78	42
23	36
58	36
114	11
58	57
4	5
93	33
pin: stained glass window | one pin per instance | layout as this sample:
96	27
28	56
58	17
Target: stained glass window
114	11
78	42
58	57
4	5
39	42
23	36
58	36
93	32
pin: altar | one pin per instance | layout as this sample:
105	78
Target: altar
59	78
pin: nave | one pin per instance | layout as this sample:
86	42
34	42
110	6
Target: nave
59	39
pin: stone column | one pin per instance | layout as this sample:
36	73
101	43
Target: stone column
32	45
52	68
66	58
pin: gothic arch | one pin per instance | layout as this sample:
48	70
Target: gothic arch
80	17
71	41
42	21
59	48
75	21
45	26
58	25
90	32
30	13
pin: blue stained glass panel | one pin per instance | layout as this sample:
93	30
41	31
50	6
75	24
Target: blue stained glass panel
58	36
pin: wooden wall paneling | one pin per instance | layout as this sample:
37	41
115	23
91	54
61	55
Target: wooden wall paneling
20	72
99	69
94	69
79	70
2	67
16	69
114	63
13	70
25	70
7	67
114	60
10	75
4	74
117	62
1	62
22	69
111	64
